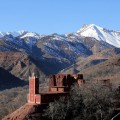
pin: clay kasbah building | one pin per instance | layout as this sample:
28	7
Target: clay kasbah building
59	85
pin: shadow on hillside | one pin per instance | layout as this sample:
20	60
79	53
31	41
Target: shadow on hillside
7	80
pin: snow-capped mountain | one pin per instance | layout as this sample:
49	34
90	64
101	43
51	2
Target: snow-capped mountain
14	34
57	51
68	46
21	34
101	34
19	40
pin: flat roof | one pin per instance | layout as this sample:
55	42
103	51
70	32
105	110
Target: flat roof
46	93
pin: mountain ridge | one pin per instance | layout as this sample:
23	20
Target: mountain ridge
52	51
87	30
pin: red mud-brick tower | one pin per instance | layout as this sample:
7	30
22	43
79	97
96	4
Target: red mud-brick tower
80	80
33	96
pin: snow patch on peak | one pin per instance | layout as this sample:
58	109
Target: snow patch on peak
18	33
101	34
30	34
89	26
14	34
2	34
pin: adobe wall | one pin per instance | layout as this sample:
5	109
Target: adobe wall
64	79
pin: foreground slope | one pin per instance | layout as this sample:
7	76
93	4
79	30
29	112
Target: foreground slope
27	110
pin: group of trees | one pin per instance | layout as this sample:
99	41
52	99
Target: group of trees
12	99
88	102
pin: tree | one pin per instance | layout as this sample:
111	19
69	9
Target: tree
98	102
88	102
58	110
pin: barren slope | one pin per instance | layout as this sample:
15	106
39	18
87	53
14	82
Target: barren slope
19	64
108	69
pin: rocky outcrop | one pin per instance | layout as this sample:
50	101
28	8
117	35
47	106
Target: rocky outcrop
19	64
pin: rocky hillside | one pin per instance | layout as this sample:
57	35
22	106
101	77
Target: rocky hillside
109	69
56	51
98	57
23	52
19	64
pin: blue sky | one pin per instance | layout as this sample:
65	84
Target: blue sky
58	16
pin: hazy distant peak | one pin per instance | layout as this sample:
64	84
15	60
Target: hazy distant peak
14	33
